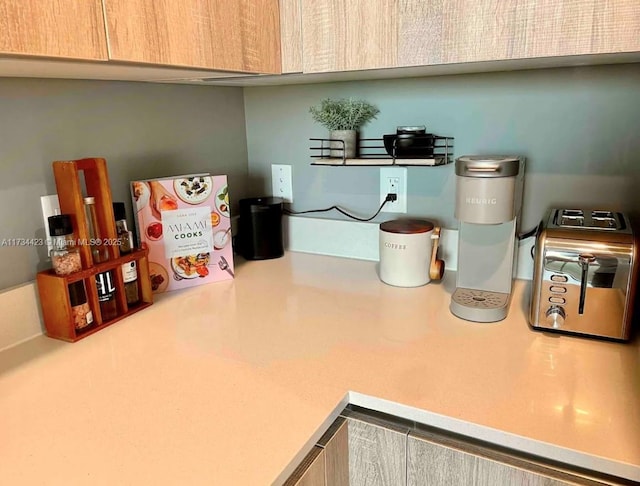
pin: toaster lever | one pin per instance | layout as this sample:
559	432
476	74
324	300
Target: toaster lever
585	259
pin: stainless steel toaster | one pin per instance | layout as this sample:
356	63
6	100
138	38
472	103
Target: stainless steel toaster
585	274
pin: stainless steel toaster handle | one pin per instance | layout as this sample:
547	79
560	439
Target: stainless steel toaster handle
585	259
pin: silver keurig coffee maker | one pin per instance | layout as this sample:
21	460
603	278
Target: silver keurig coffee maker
488	202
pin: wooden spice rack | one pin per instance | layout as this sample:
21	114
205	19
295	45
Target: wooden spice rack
54	289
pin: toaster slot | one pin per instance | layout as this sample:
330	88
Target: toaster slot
572	217
604	220
595	220
607	223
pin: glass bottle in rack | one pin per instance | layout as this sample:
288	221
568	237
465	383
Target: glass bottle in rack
98	249
107	296
80	310
105	283
65	257
129	269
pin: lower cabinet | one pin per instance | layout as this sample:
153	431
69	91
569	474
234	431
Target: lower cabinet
328	462
437	465
336	449
366	448
310	472
490	472
376	455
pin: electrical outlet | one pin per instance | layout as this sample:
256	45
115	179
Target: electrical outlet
281	183
393	180
50	207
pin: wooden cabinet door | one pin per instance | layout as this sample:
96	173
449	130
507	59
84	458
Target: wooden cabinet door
70	29
377	455
439	465
433	464
345	35
231	35
575	27
336	454
451	31
291	36
310	472
457	31
489	473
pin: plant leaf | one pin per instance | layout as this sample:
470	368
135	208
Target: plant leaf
344	113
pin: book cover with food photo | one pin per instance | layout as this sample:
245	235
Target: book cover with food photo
184	221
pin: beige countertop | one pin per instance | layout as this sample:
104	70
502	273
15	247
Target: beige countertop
229	383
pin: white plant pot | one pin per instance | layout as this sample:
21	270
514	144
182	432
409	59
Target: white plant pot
349	137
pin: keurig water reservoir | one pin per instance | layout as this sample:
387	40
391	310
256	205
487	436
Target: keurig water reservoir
488	203
260	228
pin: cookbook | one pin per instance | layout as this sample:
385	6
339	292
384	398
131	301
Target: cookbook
184	221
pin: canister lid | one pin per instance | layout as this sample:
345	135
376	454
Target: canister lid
60	225
407	226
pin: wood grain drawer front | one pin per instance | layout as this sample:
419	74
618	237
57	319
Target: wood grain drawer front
240	35
377	455
437	465
346	35
70	29
457	31
432	464
489	473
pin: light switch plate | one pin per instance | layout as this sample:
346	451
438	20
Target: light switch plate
50	207
281	182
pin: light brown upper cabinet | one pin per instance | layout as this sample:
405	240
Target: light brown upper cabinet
458	31
291	36
70	29
228	35
345	35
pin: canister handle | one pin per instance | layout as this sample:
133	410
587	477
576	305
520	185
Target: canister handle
436	268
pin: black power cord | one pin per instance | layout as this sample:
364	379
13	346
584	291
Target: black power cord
528	234
390	198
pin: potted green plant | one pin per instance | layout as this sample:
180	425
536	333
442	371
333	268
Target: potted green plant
343	117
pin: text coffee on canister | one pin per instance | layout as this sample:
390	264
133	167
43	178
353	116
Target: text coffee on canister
405	252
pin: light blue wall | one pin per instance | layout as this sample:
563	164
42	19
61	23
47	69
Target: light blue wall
143	130
578	127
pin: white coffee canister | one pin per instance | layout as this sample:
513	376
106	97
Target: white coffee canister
405	252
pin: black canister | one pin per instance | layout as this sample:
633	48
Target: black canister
260	232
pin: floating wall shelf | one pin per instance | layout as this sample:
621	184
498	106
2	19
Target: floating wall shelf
373	154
